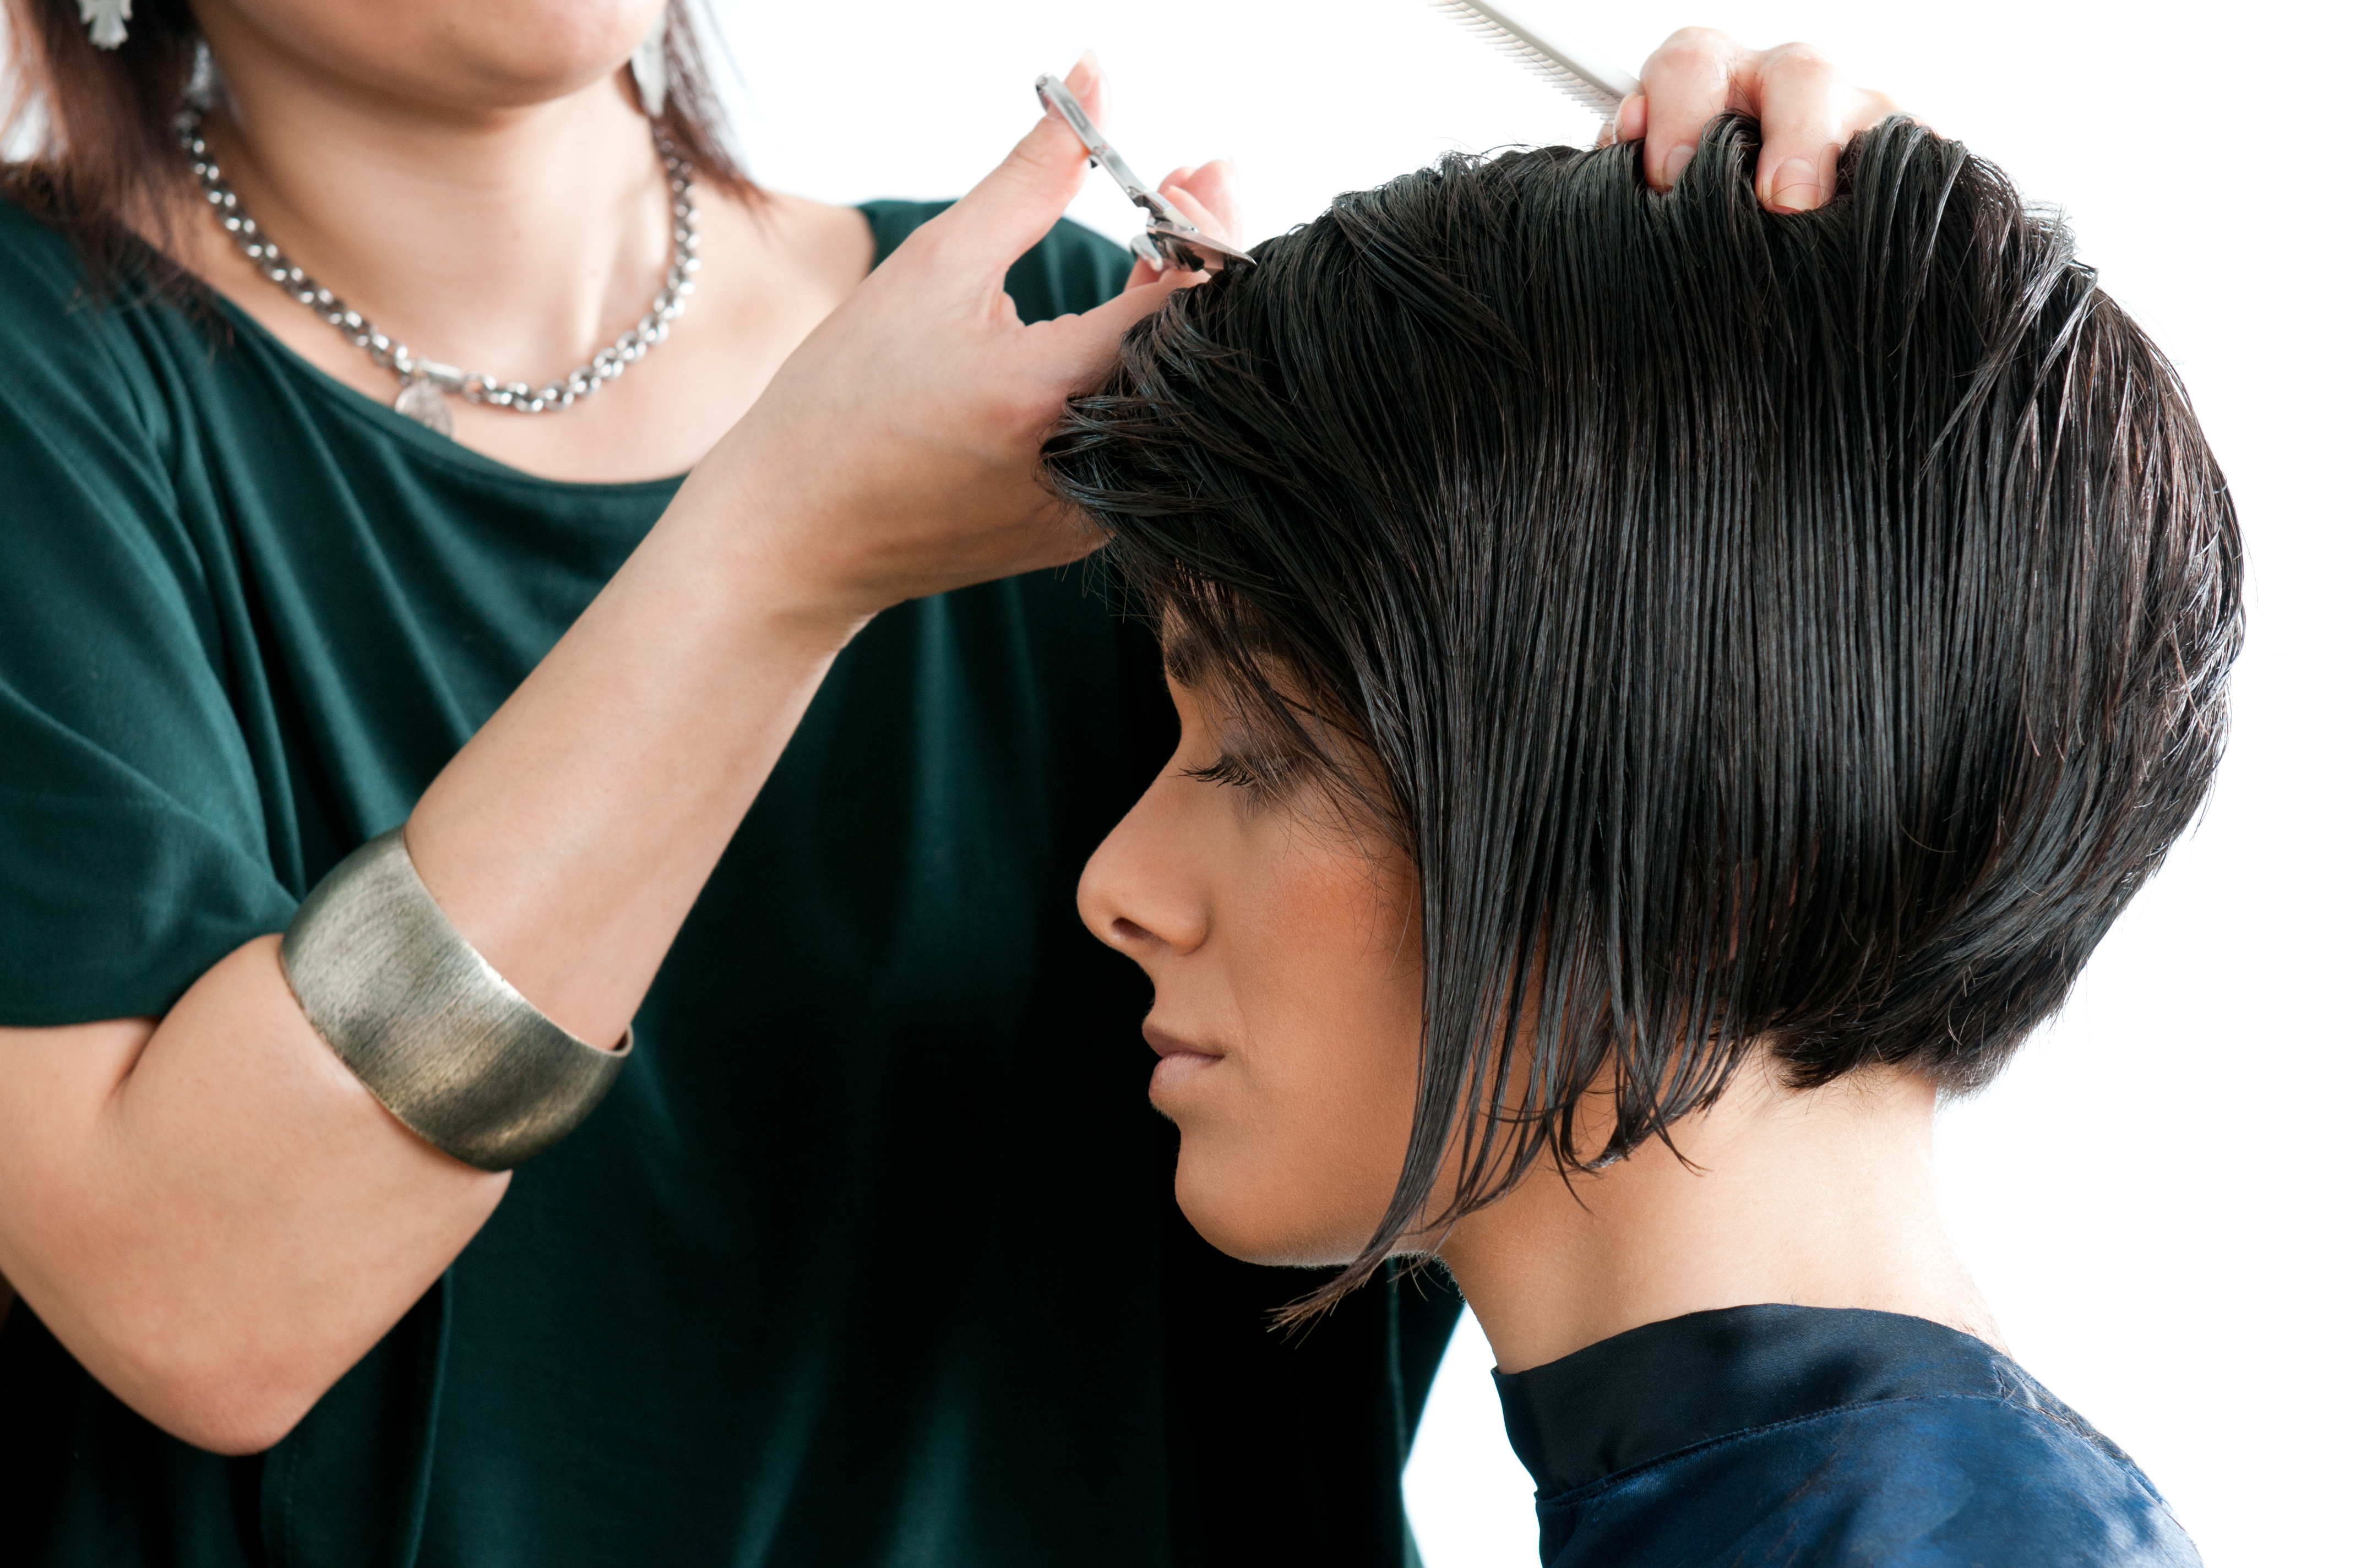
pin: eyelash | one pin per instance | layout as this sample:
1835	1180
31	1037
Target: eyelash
1228	770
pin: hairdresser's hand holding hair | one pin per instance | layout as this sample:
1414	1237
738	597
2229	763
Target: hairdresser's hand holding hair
1807	109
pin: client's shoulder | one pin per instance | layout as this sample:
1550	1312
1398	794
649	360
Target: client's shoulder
1941	1480
1789	1435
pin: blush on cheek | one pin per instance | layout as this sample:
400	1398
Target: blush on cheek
1292	1142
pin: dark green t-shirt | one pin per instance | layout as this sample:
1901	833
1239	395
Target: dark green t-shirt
870	1257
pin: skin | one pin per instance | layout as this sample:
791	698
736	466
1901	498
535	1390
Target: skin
206	1209
1280	932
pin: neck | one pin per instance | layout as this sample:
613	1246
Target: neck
1823	1198
513	238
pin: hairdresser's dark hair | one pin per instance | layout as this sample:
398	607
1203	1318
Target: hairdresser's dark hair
1798	633
103	163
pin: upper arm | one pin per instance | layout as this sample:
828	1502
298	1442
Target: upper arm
134	849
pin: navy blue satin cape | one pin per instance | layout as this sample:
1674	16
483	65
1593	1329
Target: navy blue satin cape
1781	1437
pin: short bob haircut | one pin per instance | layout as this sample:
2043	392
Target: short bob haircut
1800	633
103	163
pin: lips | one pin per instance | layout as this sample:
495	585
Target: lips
1165	1043
1180	1059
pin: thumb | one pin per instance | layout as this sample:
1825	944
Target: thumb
1081	349
1011	207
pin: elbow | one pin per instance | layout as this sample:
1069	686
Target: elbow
231	1376
235	1423
223	1400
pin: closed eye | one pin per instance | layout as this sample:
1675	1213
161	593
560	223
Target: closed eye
1234	771
1226	771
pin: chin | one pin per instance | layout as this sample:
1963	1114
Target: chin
552	48
1264	1217
509	52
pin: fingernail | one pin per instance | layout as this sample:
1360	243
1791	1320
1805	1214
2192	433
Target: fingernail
1678	159
1796	188
1085	72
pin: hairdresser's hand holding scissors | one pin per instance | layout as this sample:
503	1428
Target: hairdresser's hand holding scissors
1808	112
895	454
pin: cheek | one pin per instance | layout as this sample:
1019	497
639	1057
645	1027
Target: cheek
1292	1157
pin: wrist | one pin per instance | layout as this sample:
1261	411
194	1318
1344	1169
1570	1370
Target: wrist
771	563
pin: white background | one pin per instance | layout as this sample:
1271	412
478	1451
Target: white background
2158	1197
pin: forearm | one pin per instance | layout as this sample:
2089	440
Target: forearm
569	838
211	1213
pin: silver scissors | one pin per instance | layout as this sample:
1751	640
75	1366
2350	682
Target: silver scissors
1171	240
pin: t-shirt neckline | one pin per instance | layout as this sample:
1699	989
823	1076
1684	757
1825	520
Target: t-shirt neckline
436	448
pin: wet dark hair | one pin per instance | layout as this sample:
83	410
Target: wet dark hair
1794	632
105	162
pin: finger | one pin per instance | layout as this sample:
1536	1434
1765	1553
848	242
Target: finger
1213	203
1630	120
1091	90
1807	113
1078	350
1011	207
1685	83
1206	195
1197	212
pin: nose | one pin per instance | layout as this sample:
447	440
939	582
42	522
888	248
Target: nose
1142	892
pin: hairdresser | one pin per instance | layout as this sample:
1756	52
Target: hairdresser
396	762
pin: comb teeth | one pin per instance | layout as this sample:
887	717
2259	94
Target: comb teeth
1600	92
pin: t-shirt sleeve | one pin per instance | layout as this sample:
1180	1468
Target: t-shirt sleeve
134	852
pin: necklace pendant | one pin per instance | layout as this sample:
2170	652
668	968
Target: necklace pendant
423	402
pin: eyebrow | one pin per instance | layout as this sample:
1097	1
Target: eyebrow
1187	653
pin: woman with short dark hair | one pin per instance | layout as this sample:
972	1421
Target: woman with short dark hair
1667	690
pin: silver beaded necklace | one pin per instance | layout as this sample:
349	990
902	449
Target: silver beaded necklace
425	381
